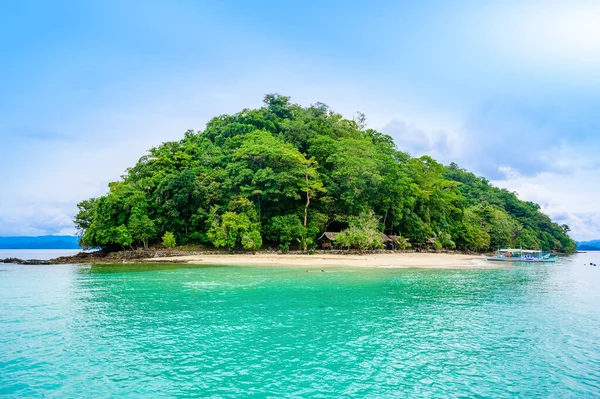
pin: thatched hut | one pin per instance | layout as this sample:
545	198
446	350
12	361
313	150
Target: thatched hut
327	240
387	242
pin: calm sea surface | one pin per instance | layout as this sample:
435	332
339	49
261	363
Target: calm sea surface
173	331
38	254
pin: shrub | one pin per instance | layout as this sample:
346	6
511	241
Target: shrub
168	240
284	248
252	240
363	233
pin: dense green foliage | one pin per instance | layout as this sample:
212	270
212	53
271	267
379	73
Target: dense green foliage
362	232
282	174
168	240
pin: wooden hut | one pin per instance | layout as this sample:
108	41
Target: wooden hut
387	242
327	240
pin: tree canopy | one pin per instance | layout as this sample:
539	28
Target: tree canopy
282	173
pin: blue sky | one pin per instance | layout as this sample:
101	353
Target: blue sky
507	89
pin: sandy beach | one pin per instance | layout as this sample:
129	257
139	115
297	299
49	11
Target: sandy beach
422	260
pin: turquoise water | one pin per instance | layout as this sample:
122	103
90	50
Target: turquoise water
173	331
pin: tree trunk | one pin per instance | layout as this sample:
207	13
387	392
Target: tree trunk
306	211
385	218
307	200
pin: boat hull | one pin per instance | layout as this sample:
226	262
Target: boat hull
492	259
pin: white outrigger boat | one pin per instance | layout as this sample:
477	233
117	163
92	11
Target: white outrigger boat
521	255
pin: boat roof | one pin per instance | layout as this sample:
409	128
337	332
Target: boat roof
525	251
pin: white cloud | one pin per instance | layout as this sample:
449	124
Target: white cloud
572	198
32	219
417	142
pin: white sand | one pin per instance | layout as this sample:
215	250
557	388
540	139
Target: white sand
424	260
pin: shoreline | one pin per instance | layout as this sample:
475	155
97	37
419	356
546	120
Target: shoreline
266	259
400	260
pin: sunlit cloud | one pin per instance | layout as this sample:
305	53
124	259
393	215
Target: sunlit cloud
417	142
550	35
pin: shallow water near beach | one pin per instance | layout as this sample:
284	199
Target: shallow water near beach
199	331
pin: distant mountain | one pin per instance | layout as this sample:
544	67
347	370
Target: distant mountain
41	242
593	245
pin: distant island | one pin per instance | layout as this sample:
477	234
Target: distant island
294	177
40	242
593	245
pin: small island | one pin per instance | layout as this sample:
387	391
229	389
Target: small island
303	178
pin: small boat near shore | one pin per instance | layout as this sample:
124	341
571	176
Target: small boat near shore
521	255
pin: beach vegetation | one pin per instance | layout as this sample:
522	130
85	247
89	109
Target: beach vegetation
168	240
362	233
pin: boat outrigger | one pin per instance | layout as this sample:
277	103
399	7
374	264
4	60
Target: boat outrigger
521	255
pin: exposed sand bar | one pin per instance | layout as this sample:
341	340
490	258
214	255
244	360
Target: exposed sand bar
423	260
